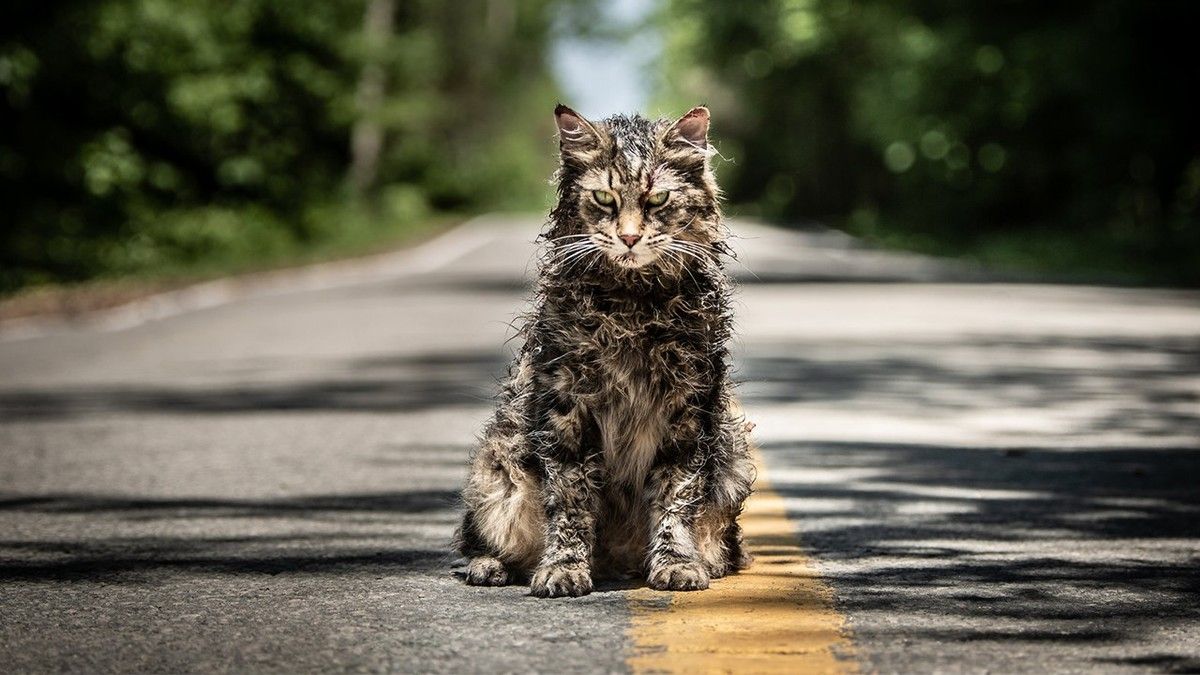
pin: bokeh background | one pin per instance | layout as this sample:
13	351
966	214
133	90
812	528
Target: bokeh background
178	139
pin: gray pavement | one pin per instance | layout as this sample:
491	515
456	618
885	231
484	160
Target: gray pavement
992	477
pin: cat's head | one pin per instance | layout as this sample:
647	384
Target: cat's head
635	194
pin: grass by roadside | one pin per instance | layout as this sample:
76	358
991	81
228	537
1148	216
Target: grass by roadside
1054	255
74	299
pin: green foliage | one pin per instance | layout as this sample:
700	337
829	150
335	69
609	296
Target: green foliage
141	135
948	126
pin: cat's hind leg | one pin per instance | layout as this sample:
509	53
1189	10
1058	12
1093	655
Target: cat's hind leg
486	570
502	529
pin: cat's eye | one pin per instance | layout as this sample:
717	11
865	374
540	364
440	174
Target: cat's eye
603	197
658	198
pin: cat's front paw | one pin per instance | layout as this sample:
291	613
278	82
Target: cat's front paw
556	581
680	576
487	571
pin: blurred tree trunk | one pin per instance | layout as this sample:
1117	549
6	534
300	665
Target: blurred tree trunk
367	137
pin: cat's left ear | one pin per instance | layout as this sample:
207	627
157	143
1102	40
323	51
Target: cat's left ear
692	128
573	130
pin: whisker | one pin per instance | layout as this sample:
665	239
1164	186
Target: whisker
689	223
710	255
593	260
675	257
575	255
704	258
676	246
573	244
688	242
678	255
561	251
566	260
715	253
698	248
685	252
575	261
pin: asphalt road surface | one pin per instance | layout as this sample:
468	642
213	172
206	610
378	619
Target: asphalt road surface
991	477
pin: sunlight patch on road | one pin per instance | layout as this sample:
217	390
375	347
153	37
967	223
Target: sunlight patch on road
776	617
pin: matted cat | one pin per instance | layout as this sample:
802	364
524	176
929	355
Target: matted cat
616	448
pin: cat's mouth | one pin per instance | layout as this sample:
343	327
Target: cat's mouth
632	259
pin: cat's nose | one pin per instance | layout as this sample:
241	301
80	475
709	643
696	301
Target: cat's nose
631	239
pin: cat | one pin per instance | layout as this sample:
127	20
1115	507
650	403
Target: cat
616	449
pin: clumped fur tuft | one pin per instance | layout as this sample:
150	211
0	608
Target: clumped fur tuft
616	448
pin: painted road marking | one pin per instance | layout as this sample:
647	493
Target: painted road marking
776	617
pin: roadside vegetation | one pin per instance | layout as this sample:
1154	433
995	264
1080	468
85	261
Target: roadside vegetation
180	139
1053	137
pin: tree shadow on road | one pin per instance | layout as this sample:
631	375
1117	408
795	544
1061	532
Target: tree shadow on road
384	533
1042	543
401	383
1077	540
1144	386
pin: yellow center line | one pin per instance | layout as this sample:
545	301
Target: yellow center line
777	616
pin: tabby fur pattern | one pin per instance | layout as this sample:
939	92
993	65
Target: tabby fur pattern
617	449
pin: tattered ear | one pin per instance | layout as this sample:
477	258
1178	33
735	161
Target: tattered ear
692	128
573	129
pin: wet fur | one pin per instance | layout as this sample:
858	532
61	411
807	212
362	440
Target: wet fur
616	449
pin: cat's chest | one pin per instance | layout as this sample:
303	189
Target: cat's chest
647	355
631	417
644	355
640	336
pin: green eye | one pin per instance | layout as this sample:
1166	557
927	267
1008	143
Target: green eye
658	198
603	198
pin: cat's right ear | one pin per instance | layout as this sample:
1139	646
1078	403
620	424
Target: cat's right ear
574	132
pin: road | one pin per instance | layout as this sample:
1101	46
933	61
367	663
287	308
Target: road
987	477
